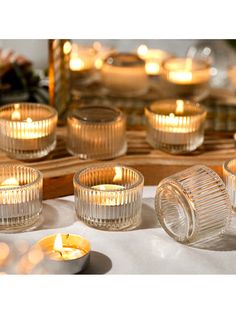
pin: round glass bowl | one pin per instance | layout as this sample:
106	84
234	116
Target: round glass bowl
193	205
175	126
229	175
96	132
186	77
20	197
109	197
27	130
124	74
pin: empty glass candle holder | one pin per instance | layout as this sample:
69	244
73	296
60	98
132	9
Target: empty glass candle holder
175	126
96	132
229	175
186	76
27	130
109	197
20	197
193	205
124	74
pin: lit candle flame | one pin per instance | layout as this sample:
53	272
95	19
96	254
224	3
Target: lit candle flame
67	47
16	113
77	64
10	182
29	120
142	50
152	67
118	175
58	245
179	106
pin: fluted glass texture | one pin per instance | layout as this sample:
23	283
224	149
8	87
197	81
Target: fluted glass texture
229	175
20	197
96	132
117	204
173	130
193	205
27	130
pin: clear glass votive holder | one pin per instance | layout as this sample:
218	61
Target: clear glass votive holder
229	176
193	205
27	130
175	126
96	132
124	74
186	77
109	197
20	197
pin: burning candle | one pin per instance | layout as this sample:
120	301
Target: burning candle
175	126
82	58
102	53
109	197
27	130
20	197
65	253
124	73
188	71
153	59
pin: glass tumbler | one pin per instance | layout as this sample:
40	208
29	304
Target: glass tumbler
20	197
109	197
229	175
193	205
96	132
27	130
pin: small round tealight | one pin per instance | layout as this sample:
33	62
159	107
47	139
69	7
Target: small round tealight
193	205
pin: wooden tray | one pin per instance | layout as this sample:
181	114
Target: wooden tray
59	167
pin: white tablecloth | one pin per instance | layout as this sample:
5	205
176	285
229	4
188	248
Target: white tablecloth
146	250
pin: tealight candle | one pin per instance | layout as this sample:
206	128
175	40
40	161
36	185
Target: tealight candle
109	197
65	253
153	59
176	126
124	73
186	75
27	130
20	197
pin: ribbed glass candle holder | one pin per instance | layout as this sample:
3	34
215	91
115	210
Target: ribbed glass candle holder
193	205
175	126
124	74
96	132
186	77
20	197
27	130
229	175
109	197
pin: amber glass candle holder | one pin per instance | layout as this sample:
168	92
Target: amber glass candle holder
109	197
175	126
20	197
193	205
96	132
27	130
124	74
186	77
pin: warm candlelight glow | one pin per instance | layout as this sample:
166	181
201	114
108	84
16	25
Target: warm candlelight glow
67	47
16	113
118	175
77	64
179	106
9	182
142	51
98	63
152	67
58	245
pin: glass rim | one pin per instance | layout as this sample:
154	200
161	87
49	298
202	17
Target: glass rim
171	101
53	112
120	115
23	186
76	181
137	62
226	167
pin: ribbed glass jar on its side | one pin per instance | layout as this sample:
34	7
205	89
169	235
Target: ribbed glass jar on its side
229	175
175	125
20	197
109	197
96	132
193	205
27	130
